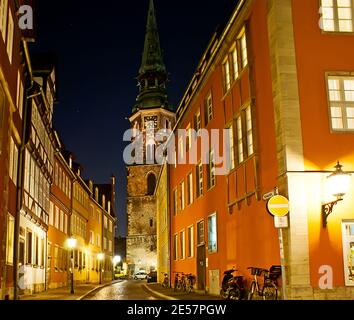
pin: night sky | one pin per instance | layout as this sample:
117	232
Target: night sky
98	47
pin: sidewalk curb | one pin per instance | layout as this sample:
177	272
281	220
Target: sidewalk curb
97	288
159	294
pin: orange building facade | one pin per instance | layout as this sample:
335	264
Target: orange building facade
280	76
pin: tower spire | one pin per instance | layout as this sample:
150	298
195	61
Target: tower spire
152	76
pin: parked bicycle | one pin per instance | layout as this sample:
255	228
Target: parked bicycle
189	281
232	287
166	282
268	289
177	282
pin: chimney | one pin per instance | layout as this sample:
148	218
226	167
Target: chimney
91	185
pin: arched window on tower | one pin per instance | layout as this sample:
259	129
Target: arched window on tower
151	184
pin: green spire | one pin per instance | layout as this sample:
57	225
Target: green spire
152	73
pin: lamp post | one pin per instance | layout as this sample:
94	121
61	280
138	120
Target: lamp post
338	183
71	242
100	257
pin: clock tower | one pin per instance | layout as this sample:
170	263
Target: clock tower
150	113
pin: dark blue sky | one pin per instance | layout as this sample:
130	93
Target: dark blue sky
98	47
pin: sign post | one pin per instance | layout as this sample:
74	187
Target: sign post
278	206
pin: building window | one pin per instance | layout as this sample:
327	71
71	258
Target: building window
234	58
181	149
10	36
197	123
341	102
51	214
337	15
348	251
92	237
61	221
98	240
182	195
243	48
175	247
66	224
227	75
151	184
208	108
211	169
249	128
200	233
110	245
190	248
20	93
10	239
212	234
199	178
240	140
190	188
57	222
29	247
232	147
182	245
105	222
151	223
13	164
189	137
3	18
175	202
56	258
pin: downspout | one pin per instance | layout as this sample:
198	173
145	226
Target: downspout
169	224
20	175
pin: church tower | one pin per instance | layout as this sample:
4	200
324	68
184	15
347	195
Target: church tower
150	113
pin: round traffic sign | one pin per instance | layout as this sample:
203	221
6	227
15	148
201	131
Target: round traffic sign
278	206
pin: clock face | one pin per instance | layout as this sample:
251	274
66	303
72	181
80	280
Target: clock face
150	122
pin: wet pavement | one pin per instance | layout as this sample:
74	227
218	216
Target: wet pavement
125	290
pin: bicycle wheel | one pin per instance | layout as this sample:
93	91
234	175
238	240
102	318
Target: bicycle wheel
235	294
251	290
270	293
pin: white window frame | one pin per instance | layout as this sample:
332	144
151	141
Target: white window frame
182	239
337	99
240	151
227	74
190	188
209	107
10	239
332	12
214	250
200	178
234	58
183	194
243	48
175	247
190	235
249	131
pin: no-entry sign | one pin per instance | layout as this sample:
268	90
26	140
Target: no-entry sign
278	206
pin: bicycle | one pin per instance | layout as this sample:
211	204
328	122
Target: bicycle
269	289
177	282
165	283
189	282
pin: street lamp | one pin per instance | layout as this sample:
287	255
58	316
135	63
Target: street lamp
100	257
116	261
338	183
71	243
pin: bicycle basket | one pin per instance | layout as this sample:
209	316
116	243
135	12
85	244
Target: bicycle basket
274	272
256	271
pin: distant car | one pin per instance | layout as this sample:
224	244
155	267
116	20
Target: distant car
152	276
141	275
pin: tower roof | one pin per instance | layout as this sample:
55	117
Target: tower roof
152	76
152	56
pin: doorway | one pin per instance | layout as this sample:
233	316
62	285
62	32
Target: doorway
201	267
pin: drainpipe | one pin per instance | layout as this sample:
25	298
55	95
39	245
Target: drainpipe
169	224
20	175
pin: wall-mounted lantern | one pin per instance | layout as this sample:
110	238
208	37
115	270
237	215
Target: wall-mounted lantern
338	183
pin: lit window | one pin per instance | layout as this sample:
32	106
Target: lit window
240	140
189	137
175	247
200	233
190	248
249	128
13	161
3	18
227	77
211	169
10	36
19	94
175	202
182	201
337	15
10	239
232	147
199	177
182	245
234	57
243	46
341	100
197	123
212	234
190	188
208	108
